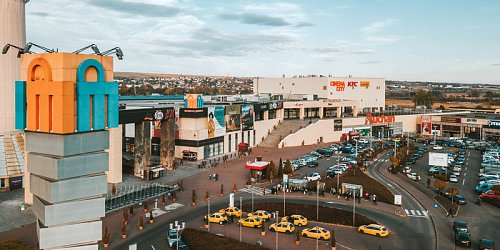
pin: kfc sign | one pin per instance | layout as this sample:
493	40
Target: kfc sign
341	85
379	119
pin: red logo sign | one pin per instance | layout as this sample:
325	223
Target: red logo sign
379	119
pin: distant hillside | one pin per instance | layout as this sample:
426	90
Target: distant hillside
139	75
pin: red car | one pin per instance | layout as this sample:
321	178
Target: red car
490	194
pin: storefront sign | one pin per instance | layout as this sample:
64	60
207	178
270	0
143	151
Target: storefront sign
341	85
216	126
451	119
426	125
247	117
470	120
193	113
337	125
379	119
365	84
261	107
16	182
140	115
494	124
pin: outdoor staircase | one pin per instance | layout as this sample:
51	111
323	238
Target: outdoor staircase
11	155
283	129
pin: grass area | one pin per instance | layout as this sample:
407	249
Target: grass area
201	240
447	204
14	245
356	176
326	214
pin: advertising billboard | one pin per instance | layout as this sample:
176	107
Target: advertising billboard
438	159
365	131
232	118
426	125
494	124
216	126
247	117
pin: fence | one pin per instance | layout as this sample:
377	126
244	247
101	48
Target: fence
132	194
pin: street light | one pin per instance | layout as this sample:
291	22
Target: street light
179	228
28	46
115	50
93	46
6	48
241	209
317	210
338	174
208	215
277	216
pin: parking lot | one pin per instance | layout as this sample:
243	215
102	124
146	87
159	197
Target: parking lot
476	216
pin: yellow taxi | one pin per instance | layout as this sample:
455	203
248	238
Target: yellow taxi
297	220
219	218
262	214
374	229
234	211
316	233
254	222
282	227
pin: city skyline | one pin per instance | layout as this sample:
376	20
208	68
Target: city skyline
431	41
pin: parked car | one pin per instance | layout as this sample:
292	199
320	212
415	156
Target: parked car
459	199
172	237
254	222
296	219
180	245
413	176
437	147
219	218
313	176
485	244
453	178
282	227
462	239
262	214
490	194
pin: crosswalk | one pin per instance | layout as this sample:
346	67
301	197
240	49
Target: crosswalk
255	190
416	213
381	160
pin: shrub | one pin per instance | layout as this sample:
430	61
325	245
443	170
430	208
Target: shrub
201	240
14	244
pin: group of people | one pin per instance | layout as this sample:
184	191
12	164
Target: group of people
213	177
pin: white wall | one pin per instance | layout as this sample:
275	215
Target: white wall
262	128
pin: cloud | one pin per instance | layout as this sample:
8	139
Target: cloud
40	14
304	24
363	52
249	18
370	62
382	39
496	64
377	26
135	8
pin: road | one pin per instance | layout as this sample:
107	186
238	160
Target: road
416	215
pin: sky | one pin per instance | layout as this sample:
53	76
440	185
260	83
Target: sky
419	40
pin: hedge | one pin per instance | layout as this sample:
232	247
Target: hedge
202	240
326	214
14	245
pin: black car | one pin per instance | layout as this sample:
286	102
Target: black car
312	164
485	244
460	226
462	239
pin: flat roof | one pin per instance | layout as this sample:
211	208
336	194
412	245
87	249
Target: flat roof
488	116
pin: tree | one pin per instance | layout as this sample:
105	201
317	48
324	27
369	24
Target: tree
272	170
123	89
423	97
474	93
280	170
453	191
288	167
439	184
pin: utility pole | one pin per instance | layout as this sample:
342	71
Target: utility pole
241	209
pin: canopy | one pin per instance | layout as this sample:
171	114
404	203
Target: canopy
257	165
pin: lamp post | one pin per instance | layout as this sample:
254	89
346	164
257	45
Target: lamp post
338	175
277	216
354	208
208	215
179	228
252	202
317	211
241	209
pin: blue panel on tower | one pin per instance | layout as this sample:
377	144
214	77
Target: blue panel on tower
99	92
20	105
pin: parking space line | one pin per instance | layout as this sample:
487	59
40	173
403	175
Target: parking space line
417	212
465	174
463	182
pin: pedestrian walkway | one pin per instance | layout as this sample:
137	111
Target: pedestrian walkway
255	190
381	160
417	213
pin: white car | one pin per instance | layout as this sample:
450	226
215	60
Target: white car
453	178
406	170
313	176
362	141
413	176
437	147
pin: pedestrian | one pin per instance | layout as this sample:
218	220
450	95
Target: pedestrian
231	219
450	212
279	186
264	191
210	177
374	199
182	162
367	196
216	176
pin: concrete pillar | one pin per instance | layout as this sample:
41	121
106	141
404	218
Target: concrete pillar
321	110
302	111
339	112
167	144
13	31
115	154
266	115
355	111
142	154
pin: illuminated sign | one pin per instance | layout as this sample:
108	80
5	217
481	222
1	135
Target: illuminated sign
379	119
341	85
494	124
193	113
451	119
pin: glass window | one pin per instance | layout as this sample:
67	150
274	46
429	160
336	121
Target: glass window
236	141
254	138
2	183
230	145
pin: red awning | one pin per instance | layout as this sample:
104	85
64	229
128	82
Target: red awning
243	144
257	165
186	152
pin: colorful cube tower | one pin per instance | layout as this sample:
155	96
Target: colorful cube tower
65	104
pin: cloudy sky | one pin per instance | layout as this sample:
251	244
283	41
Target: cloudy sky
445	40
